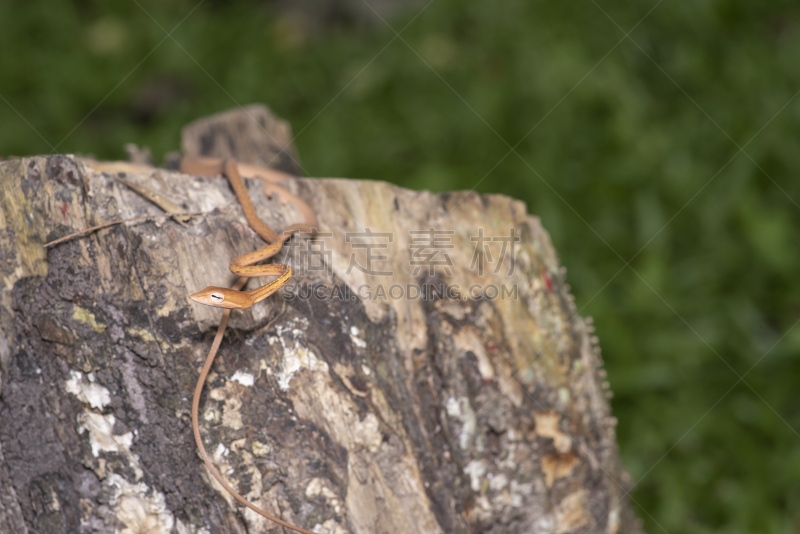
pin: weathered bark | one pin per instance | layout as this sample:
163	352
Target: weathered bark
340	414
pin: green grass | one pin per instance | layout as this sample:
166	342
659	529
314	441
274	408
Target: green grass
638	162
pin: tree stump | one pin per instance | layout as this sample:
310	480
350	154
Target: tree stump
252	134
340	409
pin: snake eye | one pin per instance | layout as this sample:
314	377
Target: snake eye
217	297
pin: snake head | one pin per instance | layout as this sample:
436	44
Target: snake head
215	296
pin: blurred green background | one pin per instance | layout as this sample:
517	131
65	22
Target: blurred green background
634	157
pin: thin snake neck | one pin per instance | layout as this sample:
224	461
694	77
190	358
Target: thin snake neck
260	293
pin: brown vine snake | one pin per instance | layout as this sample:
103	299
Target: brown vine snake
220	297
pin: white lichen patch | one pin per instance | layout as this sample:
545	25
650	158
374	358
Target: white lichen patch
139	508
88	392
101	435
329	527
259	449
319	486
245	379
212	415
367	432
483	509
497	482
100	426
476	470
295	357
357	341
462	410
519	492
103	439
220	453
230	395
181	528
